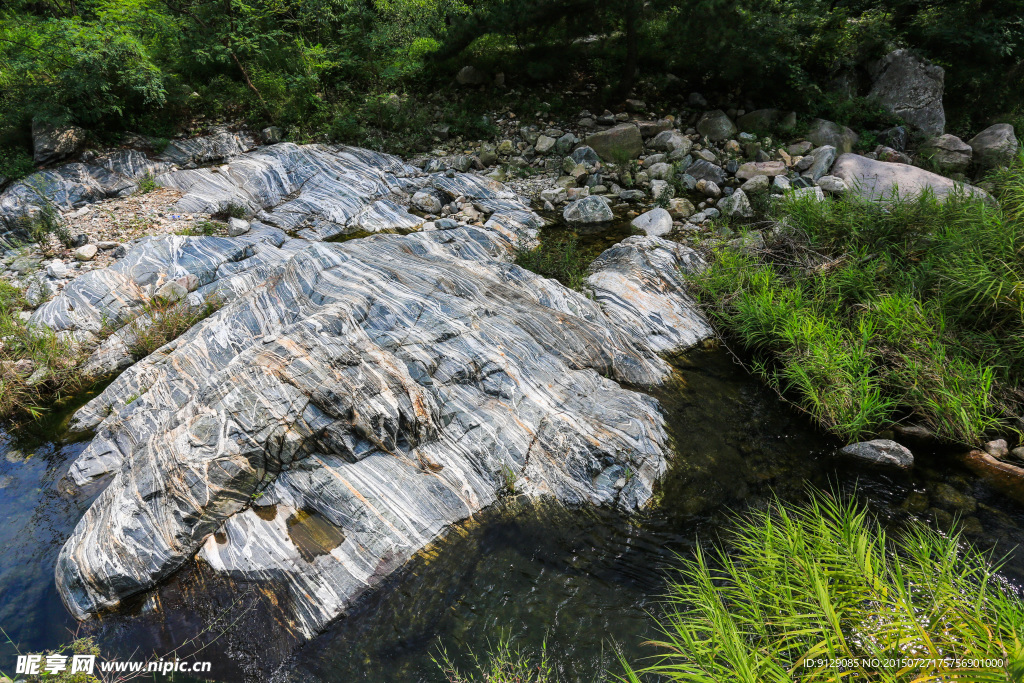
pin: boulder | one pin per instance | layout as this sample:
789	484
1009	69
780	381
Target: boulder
51	142
271	135
470	75
995	146
660	188
565	143
487	154
764	168
822	132
660	171
586	156
649	129
759	120
705	170
588	210
680	207
544	144
821	162
716	126
671	141
86	253
617	144
428	202
947	152
236	227
736	205
756	185
832	184
911	88
882	452
879	181
656	222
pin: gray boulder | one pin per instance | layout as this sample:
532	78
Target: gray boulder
671	141
759	120
705	170
427	202
544	144
947	152
716	126
822	132
595	209
617	144
736	205
236	227
882	452
822	159
832	184
51	142
995	146
470	75
656	222
880	181
911	88
586	156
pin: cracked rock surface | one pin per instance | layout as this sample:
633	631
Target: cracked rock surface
352	400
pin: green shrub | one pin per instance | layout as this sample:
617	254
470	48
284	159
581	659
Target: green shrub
503	664
15	163
868	314
794	587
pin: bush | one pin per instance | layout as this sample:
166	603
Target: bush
825	582
869	315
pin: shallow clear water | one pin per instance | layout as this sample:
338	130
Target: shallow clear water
583	581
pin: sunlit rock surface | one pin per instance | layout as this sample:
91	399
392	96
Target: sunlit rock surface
352	400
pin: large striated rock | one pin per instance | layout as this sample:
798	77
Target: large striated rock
882	181
222	144
381	389
51	142
995	146
350	401
822	132
911	88
618	144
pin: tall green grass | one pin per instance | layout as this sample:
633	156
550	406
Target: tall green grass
867	315
794	589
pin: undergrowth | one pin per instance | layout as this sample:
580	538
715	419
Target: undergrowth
793	589
503	664
165	321
871	314
560	258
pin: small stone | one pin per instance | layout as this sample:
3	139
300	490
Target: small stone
881	452
654	223
555	195
57	269
832	184
106	246
236	227
756	185
544	144
681	208
79	240
736	205
660	171
505	147
190	282
661	188
997	448
171	291
86	252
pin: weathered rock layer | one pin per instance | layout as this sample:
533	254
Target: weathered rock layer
352	400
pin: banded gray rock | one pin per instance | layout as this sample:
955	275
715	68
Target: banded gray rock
351	401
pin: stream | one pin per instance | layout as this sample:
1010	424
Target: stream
582	583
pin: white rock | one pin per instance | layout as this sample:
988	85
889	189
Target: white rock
236	227
832	184
655	223
86	252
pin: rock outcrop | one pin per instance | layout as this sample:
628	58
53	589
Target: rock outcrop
911	88
881	181
350	401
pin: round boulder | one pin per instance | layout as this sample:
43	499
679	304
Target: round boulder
716	126
654	223
594	209
995	146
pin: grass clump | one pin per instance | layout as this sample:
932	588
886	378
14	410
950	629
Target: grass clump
824	582
504	664
871	314
147	184
35	363
164	321
201	229
560	258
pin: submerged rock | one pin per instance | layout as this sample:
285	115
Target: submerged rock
881	452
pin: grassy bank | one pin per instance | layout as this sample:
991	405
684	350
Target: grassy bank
868	315
821	581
